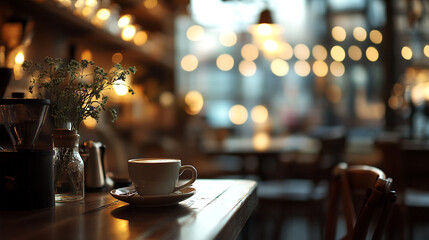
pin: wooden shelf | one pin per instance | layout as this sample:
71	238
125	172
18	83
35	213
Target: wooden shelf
63	19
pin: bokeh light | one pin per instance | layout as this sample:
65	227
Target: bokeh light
406	53
117	57
120	88
426	50
128	33
301	51
337	69
195	33
90	123
259	114
228	39
265	29
375	36
355	53
279	67
103	14
194	101
166	99
86	54
238	114
149	4
320	68
395	102
372	54
124	20
249	52
19	58
285	51
141	38
225	62
420	93
319	52
398	89
302	68
270	45
261	141
359	33
338	33
189	63
338	53
247	68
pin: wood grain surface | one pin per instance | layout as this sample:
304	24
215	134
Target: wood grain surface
218	210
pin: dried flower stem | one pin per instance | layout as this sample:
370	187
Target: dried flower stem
74	94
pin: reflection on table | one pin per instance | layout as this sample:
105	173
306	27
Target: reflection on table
218	210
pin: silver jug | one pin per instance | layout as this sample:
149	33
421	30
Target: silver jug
95	176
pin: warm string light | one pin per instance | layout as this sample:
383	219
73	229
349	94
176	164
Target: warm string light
189	63
128	32
140	38
406	53
225	62
279	65
238	114
149	4
195	33
19	58
301	51
125	20
249	52
120	87
259	114
109	19
261	141
194	101
247	68
17	67
228	39
90	123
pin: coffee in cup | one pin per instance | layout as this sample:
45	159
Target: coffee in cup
157	176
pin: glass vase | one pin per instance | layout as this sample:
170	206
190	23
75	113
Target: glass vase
68	166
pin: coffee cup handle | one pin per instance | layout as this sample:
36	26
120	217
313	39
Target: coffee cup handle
192	180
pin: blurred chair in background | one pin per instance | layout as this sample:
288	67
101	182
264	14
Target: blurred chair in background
406	161
303	185
414	185
365	194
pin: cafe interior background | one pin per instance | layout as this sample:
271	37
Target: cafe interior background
209	72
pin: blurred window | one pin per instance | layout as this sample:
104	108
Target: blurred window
300	73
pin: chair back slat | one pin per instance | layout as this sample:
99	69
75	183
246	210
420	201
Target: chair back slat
363	190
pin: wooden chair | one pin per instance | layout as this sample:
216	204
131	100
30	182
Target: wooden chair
363	191
304	186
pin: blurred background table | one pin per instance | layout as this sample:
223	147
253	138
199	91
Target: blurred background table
266	150
218	210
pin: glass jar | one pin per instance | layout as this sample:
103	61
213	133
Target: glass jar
68	166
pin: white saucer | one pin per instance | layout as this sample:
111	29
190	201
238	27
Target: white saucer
129	195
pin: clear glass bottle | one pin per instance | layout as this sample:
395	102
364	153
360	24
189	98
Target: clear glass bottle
68	166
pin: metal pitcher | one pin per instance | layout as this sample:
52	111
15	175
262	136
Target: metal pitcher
95	176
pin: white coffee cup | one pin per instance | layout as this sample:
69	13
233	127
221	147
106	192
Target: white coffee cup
158	176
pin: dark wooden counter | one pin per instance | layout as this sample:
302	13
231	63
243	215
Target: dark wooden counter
218	210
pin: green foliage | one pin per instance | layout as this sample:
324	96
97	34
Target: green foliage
74	93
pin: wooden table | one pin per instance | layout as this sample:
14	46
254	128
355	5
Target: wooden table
267	154
218	210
